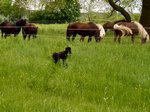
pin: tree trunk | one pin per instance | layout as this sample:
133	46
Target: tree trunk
145	15
120	9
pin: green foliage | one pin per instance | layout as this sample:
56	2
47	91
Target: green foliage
17	13
52	11
37	15
100	77
13	10
71	11
66	12
104	17
5	7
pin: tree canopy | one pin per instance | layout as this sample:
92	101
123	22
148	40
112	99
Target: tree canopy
67	10
120	9
61	10
5	7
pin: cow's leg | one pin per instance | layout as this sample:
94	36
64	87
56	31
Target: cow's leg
132	39
119	39
24	36
34	35
116	35
5	36
89	39
68	38
73	37
15	34
98	39
2	33
29	37
82	39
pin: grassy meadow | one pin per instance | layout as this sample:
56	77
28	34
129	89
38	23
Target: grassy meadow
100	77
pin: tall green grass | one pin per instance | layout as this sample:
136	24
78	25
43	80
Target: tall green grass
100	77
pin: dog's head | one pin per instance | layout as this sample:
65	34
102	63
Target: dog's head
68	49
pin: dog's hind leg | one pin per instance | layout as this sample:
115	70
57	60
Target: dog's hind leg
55	61
64	62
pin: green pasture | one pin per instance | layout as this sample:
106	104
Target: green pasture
100	77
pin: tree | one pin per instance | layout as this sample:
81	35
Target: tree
91	6
58	11
71	11
13	9
145	15
5	7
120	9
19	9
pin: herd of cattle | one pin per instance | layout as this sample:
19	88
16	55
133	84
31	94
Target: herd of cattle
120	27
90	29
28	29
